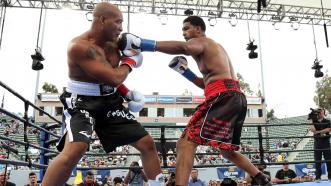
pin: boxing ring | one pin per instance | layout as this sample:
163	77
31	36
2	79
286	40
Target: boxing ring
46	138
322	183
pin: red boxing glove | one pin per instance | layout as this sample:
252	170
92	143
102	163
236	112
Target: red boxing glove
135	99
133	61
123	90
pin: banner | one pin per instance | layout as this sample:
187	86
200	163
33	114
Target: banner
150	99
165	99
183	99
309	169
230	172
198	99
254	100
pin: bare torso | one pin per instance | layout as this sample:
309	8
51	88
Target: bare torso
109	56
213	62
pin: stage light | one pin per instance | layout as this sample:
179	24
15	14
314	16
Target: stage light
36	60
163	17
294	23
90	6
188	12
276	25
233	19
212	18
276	20
89	16
212	21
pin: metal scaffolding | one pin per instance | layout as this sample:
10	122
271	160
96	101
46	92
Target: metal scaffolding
206	8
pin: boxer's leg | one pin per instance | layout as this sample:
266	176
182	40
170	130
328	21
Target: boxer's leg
184	161
242	162
59	171
149	157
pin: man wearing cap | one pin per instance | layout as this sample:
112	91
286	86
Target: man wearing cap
321	129
285	175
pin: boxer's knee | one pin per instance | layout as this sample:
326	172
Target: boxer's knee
73	151
185	143
145	144
228	154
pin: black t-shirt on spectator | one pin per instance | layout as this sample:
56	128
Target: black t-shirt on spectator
264	172
318	126
281	174
10	184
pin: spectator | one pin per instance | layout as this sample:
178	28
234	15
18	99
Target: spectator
261	168
195	181
118	181
285	175
135	176
33	181
171	180
89	180
108	181
321	128
5	182
228	182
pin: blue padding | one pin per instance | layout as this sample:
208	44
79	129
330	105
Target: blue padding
188	74
147	45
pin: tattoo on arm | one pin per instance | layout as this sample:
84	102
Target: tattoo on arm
91	53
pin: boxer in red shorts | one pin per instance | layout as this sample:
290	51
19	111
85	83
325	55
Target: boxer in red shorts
218	121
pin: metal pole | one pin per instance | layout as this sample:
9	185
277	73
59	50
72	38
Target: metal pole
38	72
261	63
128	26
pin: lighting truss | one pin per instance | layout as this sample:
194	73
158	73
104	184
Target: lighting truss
221	8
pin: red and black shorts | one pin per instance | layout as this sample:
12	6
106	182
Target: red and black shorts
218	121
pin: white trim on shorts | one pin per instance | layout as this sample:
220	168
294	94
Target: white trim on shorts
85	88
68	127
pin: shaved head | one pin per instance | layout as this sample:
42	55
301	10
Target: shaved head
105	9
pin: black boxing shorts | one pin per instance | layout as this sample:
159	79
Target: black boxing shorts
89	107
218	121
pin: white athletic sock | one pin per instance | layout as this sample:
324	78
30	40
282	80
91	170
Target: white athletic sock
159	181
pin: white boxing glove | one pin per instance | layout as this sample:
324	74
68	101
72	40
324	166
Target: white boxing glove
179	64
137	101
131	44
133	61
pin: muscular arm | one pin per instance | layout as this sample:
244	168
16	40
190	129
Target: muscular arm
144	176
192	47
199	82
127	178
95	64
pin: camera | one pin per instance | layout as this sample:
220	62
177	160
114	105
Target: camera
173	175
317	67
313	115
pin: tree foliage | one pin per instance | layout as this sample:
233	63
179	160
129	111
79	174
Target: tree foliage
49	88
271	115
323	92
244	86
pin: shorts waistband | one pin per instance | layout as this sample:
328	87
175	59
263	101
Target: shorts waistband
221	85
89	89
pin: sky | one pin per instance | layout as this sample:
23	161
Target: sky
286	55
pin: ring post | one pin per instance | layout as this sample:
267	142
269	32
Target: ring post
44	136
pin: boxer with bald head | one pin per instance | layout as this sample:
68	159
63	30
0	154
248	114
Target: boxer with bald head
93	99
218	121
